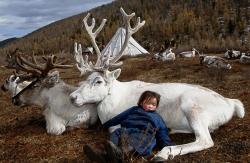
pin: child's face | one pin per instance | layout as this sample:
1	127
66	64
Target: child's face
150	104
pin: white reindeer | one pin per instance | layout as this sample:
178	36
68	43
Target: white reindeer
232	54
169	56
188	54
166	55
184	107
244	59
51	94
214	62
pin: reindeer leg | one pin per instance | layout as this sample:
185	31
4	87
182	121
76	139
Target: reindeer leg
54	124
203	139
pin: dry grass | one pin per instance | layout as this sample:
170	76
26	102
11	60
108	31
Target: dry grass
23	136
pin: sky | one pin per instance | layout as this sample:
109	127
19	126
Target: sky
20	17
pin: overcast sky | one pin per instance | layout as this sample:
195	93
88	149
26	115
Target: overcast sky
20	17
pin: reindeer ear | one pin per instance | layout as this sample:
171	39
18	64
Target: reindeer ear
53	77
110	76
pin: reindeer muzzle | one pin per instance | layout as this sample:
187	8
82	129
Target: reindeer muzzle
16	101
3	88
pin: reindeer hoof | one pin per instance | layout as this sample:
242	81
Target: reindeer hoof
157	159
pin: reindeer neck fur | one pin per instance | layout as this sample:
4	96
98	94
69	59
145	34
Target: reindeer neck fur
49	94
56	99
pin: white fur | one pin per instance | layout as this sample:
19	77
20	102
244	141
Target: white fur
215	62
59	112
11	84
245	59
167	55
188	54
234	54
184	107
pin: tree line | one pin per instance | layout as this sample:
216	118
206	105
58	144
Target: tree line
208	25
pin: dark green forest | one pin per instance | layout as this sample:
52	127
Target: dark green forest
208	25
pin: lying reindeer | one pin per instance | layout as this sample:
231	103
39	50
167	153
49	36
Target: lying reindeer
215	62
49	92
245	59
166	55
185	108
188	54
232	54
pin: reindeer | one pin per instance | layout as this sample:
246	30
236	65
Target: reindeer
188	54
245	58
46	90
169	55
214	62
232	54
166	55
185	108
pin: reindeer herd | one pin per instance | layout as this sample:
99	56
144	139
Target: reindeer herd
185	108
206	60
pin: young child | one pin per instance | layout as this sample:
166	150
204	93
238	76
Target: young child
141	126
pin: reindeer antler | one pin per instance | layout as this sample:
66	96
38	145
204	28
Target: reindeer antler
129	32
104	62
93	35
38	70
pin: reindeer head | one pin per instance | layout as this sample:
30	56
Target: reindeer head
195	51
13	85
38	76
98	84
33	93
201	58
95	88
9	84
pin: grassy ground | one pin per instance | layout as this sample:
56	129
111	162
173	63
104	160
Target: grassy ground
23	136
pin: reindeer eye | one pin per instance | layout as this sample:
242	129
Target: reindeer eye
12	79
99	82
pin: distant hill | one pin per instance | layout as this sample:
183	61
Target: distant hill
209	26
7	41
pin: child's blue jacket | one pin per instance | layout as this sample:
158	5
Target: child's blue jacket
144	129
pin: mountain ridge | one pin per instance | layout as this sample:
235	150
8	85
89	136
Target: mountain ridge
210	26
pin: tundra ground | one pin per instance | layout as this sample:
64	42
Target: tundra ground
23	136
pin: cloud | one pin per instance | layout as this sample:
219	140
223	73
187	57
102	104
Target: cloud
19	17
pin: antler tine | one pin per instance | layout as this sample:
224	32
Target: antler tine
50	64
138	25
129	32
106	62
78	53
38	70
93	35
32	65
52	61
127	18
82	64
24	68
34	59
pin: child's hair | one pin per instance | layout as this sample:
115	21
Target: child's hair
147	95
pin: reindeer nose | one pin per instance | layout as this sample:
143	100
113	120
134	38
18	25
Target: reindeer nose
3	88
73	99
16	101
